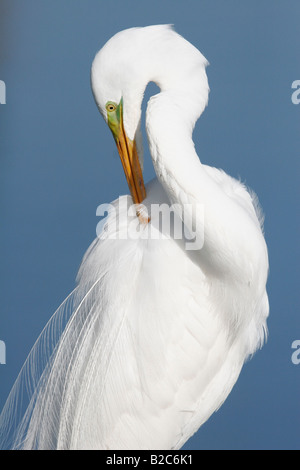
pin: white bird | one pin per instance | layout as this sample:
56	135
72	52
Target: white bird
154	336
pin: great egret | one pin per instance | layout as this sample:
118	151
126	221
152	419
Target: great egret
154	336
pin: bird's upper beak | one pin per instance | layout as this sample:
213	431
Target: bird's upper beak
128	154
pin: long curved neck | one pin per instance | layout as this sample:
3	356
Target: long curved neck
171	115
174	158
171	146
229	233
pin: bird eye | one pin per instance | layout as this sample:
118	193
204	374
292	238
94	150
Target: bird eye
110	107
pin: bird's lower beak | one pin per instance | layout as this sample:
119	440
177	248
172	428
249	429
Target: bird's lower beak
131	165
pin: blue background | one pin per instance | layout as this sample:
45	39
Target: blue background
59	162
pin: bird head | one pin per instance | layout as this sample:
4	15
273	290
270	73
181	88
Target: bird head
118	91
120	73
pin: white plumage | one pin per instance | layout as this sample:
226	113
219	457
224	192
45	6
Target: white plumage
153	338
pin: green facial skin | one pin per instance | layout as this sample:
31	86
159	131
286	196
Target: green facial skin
114	117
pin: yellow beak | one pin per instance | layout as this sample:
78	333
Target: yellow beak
131	166
128	154
127	151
